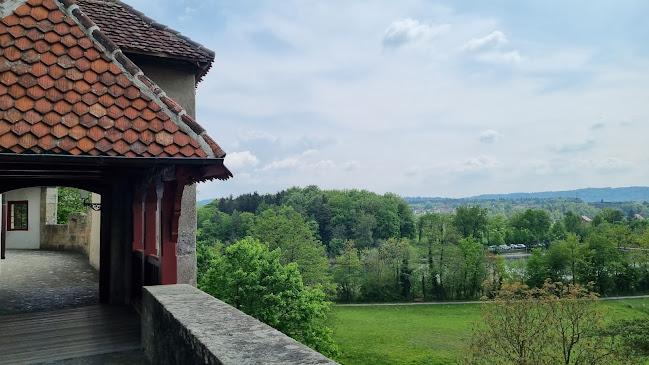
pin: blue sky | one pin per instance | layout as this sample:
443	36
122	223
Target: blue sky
422	97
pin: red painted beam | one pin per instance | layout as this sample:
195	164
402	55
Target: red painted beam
169	259
138	222
150	224
3	230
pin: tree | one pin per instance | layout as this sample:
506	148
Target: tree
598	263
537	269
633	335
474	266
287	229
573	224
346	272
252	279
608	215
555	324
69	201
471	221
496	226
536	222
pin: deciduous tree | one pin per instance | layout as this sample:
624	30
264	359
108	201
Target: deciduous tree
252	279
555	324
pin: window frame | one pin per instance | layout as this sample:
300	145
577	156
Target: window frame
10	215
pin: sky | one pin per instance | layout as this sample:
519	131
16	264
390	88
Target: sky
422	98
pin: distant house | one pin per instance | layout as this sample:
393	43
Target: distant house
585	219
638	216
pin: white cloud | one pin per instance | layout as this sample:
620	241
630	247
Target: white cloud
490	136
504	58
492	40
489	49
290	162
351	165
573	147
405	31
479	163
242	159
610	165
597	126
253	135
187	14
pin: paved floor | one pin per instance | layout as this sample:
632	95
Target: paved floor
49	285
33	280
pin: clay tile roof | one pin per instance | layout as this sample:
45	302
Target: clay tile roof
66	88
134	32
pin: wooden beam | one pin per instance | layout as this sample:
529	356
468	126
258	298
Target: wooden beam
121	240
3	228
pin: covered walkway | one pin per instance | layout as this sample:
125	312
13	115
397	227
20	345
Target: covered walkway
49	313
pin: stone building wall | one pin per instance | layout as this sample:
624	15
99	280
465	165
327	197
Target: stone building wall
74	236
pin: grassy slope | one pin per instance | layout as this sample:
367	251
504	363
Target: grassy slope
422	334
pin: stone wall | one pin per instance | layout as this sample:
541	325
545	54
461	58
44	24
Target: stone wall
183	325
74	236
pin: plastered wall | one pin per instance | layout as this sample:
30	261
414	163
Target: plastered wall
31	238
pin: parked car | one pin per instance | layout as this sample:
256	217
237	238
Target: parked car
504	247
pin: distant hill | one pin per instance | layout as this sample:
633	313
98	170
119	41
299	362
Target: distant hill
203	202
589	195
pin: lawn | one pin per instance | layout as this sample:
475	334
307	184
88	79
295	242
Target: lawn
423	334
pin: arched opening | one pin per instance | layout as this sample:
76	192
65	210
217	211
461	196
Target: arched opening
50	239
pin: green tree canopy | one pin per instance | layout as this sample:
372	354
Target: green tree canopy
252	279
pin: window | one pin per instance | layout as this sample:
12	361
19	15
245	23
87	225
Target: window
17	217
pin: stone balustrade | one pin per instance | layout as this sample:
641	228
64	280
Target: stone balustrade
183	325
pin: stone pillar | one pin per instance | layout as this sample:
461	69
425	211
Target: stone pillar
95	236
51	205
186	248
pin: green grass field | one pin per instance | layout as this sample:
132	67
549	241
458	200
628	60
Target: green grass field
423	334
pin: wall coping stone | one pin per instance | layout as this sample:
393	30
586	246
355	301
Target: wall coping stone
181	324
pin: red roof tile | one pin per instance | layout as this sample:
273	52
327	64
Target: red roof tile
61	93
134	32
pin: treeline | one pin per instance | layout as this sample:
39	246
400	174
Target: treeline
556	207
611	251
333	216
361	246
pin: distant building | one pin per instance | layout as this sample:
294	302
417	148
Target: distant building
585	219
638	216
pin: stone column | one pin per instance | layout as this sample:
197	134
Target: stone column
186	248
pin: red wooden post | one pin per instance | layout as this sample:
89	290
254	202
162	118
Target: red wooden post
150	222
169	259
138	222
3	230
171	207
